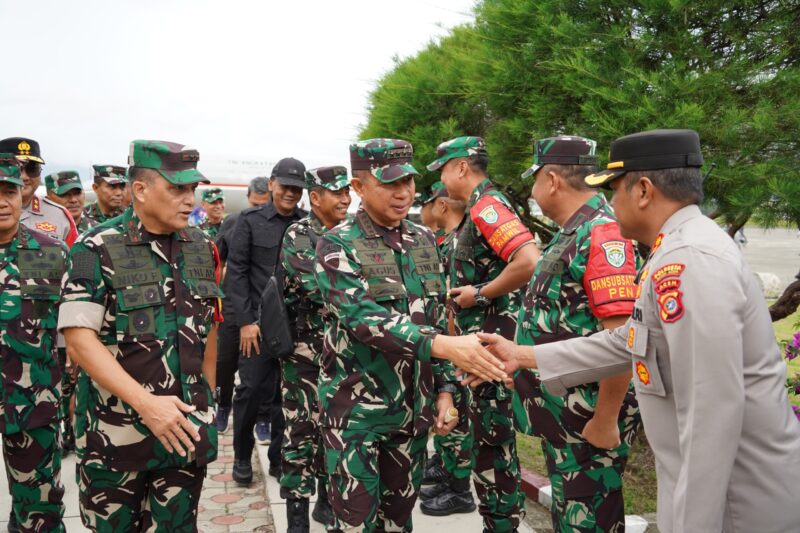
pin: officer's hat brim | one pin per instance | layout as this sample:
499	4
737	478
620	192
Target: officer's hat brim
599	179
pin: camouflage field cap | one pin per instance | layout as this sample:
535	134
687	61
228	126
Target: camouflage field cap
650	150
332	178
437	190
387	159
175	162
562	150
212	195
61	182
458	147
23	148
9	169
111	174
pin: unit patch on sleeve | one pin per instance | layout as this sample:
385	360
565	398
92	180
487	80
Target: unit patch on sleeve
615	253
670	305
666	282
500	226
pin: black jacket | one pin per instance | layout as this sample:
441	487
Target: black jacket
253	255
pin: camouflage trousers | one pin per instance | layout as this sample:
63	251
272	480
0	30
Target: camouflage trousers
303	453
33	466
586	481
163	500
456	447
496	472
67	392
374	478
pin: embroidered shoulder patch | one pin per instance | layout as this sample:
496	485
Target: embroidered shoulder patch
670	304
615	253
489	214
666	271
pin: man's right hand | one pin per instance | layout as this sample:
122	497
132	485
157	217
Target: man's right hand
250	340
502	348
165	417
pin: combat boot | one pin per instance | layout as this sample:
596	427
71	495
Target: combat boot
434	471
322	513
456	498
432	491
297	515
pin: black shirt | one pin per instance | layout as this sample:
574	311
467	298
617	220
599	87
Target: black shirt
253	255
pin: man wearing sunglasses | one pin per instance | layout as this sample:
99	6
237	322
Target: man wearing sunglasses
40	214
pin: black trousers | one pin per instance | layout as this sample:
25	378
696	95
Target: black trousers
228	364
259	381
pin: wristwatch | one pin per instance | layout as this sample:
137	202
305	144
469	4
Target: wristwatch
447	387
481	300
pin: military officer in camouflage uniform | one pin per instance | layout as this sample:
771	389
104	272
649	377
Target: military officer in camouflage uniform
449	469
493	255
709	377
303	461
582	284
382	282
31	266
40	214
109	188
65	188
213	203
138	301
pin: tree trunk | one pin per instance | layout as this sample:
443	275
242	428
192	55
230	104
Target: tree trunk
787	303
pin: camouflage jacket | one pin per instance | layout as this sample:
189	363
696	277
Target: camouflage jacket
484	242
211	230
385	295
585	274
153	313
30	278
94	216
85	224
303	300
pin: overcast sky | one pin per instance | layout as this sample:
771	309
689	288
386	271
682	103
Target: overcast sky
236	79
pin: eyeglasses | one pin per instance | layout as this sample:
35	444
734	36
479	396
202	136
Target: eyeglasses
32	168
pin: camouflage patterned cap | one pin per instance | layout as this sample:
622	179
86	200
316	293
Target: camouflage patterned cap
387	159
61	182
9	170
111	174
437	190
332	178
458	147
212	195
562	150
175	162
23	148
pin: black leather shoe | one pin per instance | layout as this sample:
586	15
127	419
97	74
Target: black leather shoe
13	526
274	471
434	471
242	472
322	513
447	503
297	515
432	491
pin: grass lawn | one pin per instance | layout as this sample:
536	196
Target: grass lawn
640	476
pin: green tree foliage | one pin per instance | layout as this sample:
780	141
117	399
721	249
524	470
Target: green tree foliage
604	68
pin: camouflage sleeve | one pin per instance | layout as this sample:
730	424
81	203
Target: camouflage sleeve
297	258
84	292
346	295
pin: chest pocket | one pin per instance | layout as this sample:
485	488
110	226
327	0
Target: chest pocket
266	244
379	268
648	368
427	265
40	274
138	288
199	273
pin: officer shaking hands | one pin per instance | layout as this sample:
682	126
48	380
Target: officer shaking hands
708	374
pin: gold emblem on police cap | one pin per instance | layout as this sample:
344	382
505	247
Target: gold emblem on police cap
24	148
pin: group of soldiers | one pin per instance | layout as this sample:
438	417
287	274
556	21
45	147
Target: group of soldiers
398	332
